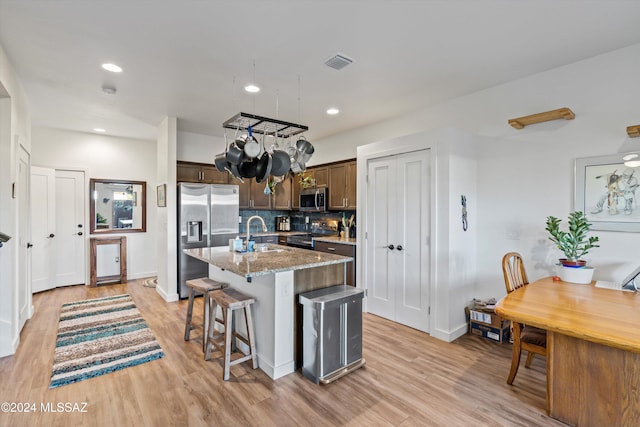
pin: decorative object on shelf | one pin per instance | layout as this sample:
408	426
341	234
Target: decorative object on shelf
606	189
162	195
633	131
561	113
574	243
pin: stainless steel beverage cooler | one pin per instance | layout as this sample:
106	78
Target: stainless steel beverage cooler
331	332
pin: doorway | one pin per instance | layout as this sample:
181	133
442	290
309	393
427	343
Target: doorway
398	221
59	252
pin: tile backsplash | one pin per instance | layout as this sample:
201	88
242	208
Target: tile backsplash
298	219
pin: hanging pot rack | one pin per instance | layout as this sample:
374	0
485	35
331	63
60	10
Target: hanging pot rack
264	125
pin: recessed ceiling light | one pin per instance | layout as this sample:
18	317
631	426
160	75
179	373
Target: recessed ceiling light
333	111
632	163
112	67
99	130
252	88
630	157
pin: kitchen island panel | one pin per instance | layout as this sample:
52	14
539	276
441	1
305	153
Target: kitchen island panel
273	312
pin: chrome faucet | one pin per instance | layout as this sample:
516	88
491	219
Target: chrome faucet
264	226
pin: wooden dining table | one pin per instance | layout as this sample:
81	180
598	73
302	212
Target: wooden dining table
593	349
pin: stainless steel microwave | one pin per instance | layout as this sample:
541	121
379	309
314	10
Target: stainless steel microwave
314	199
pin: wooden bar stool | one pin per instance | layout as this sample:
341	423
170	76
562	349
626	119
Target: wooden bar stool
230	300
202	286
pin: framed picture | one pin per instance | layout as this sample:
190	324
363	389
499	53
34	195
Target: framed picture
606	190
162	195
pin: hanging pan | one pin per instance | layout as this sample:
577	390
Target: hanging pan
263	164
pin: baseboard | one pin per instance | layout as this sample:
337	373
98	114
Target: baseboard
450	336
136	276
173	297
8	346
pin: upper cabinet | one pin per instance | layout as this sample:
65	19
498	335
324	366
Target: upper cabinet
252	195
282	198
200	172
342	186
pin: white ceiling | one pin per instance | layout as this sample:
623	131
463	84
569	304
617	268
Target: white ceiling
191	59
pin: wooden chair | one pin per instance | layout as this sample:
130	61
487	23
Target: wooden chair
527	338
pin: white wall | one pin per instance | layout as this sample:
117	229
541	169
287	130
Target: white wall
525	175
167	216
194	147
107	157
14	126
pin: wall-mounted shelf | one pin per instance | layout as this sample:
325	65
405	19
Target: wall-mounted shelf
561	113
633	131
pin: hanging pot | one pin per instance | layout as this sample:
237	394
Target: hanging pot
263	167
280	163
221	162
247	169
298	167
233	170
305	150
234	154
251	147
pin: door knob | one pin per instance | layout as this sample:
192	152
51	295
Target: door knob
51	236
79	233
391	247
399	247
29	245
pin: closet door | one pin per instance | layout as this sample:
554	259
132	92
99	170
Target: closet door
398	234
57	223
43	227
70	233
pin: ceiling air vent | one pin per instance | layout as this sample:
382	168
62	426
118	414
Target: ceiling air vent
338	61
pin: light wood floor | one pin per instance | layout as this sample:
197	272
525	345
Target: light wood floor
410	379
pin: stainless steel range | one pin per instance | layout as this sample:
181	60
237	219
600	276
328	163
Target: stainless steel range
318	229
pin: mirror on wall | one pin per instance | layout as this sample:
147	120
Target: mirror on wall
118	206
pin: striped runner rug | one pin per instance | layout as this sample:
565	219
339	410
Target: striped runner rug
99	336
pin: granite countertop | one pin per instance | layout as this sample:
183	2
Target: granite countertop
336	239
277	258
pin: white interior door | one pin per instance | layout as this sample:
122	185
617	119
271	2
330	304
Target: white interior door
43	227
380	201
24	270
398	235
412	211
70	233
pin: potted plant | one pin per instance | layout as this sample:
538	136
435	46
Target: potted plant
574	243
306	181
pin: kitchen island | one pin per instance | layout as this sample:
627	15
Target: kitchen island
275	276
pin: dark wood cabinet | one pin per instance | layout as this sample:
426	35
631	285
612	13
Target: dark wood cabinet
200	172
340	249
252	194
342	186
282	199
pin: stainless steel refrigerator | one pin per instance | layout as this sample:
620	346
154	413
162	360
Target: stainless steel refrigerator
207	216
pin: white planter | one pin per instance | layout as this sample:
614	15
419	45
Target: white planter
581	275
